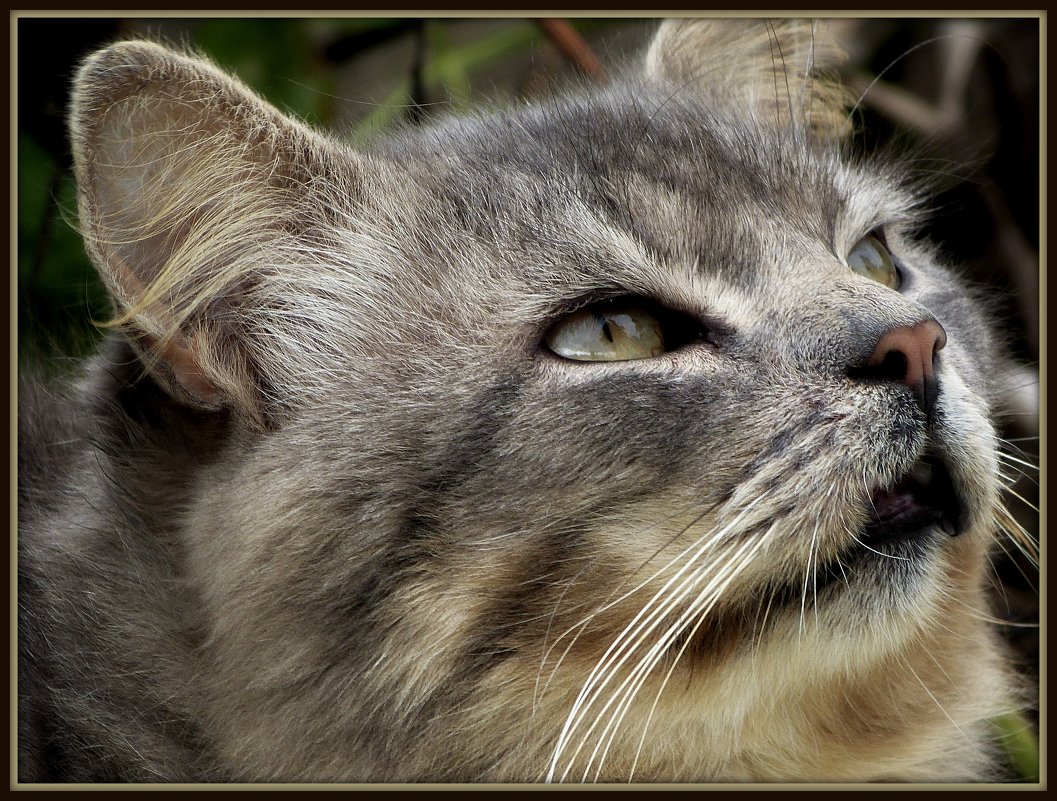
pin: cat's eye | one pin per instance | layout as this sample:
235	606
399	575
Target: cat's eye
620	330
871	258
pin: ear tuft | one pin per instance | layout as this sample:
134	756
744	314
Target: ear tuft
781	69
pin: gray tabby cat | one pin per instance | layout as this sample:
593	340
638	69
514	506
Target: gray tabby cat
634	437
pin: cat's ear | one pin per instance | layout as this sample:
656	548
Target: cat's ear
781	69
188	184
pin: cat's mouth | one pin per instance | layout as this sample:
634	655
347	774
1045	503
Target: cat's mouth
907	520
923	498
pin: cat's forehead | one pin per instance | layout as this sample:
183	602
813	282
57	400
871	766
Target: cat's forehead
685	183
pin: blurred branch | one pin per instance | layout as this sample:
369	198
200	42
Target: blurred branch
905	108
573	47
962	41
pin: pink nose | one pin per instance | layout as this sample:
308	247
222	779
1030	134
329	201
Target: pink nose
906	354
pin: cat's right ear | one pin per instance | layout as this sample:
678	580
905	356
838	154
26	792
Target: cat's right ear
188	187
780	70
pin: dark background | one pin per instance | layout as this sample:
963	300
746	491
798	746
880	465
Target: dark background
967	90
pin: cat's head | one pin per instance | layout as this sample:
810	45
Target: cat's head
540	411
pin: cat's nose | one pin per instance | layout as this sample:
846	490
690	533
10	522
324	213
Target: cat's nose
907	354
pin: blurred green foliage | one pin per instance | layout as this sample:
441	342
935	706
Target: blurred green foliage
58	292
1021	745
272	56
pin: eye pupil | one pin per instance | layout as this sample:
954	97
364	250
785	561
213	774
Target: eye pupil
606	331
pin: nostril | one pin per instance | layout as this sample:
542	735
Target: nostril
893	367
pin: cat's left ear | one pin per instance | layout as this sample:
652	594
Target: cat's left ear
195	197
779	69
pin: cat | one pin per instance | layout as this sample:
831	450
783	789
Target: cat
629	437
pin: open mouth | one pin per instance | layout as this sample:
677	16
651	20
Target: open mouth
924	497
903	523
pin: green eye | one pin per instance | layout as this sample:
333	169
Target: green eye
871	258
607	334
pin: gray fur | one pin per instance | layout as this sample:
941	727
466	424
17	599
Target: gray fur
330	532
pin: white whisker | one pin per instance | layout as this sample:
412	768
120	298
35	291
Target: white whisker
620	650
941	708
809	573
730	567
885	555
1022	499
1010	458
759	543
610	602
